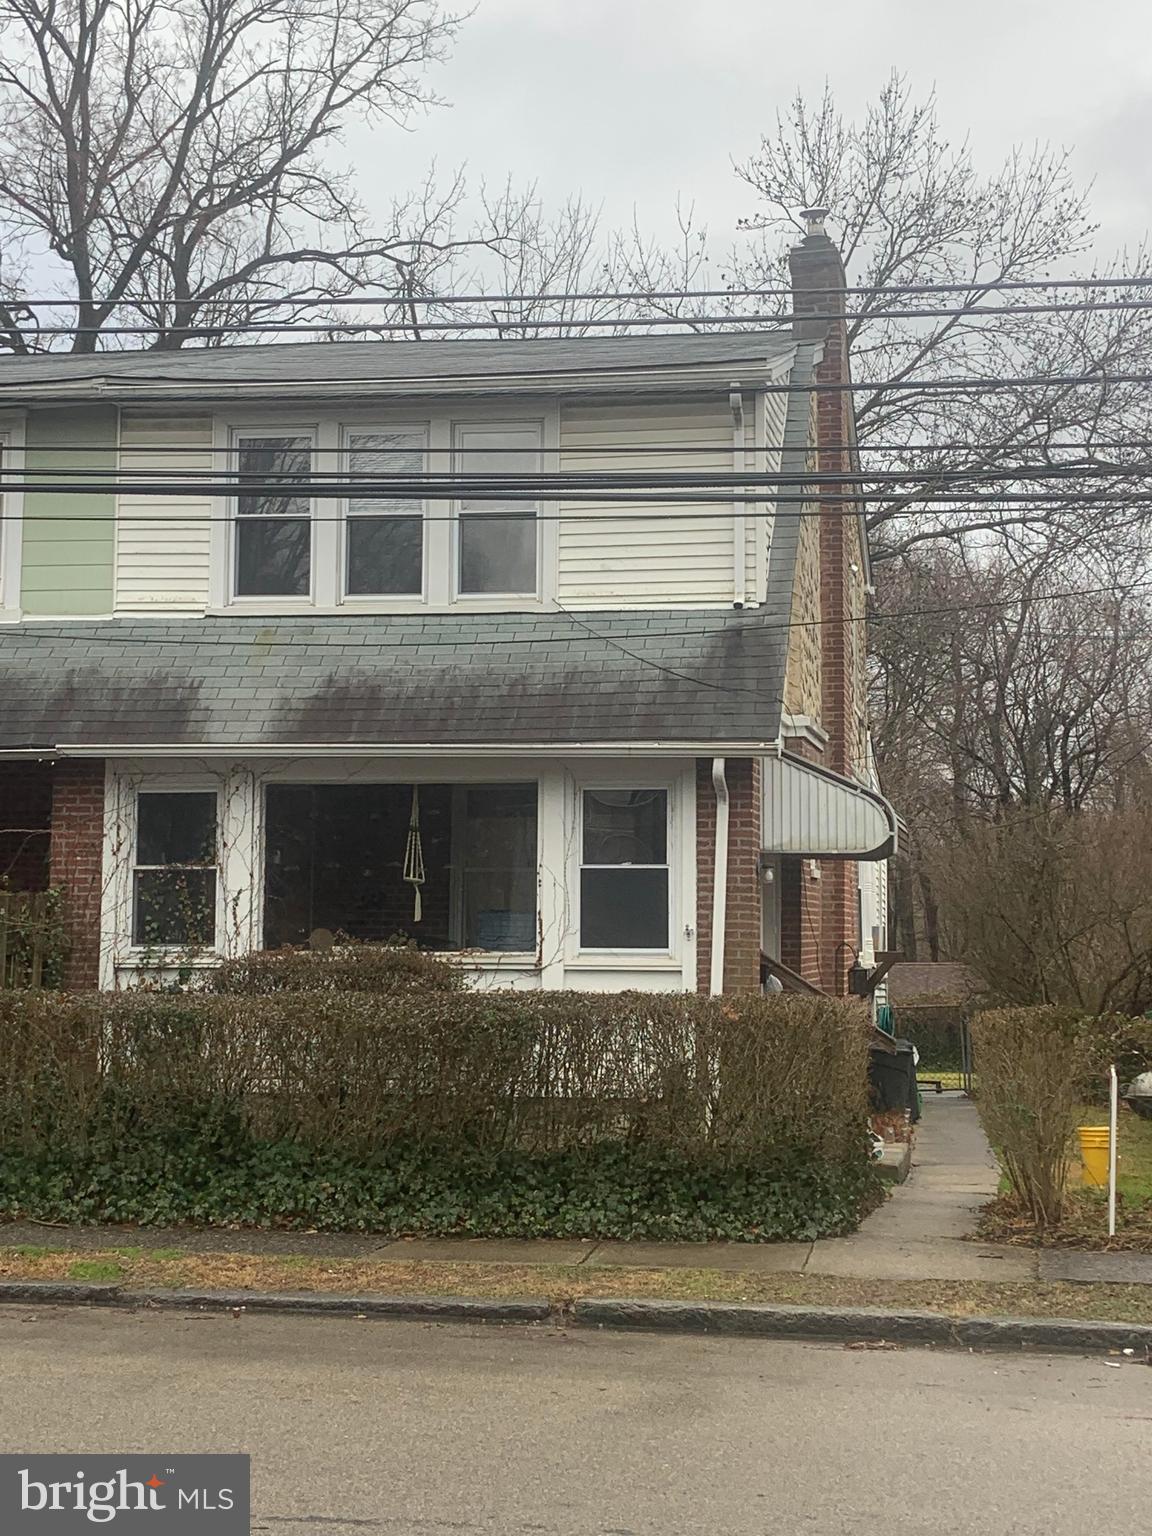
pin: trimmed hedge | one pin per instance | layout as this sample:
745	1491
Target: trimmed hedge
384	970
512	1114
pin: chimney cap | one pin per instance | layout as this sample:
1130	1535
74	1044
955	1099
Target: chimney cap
814	219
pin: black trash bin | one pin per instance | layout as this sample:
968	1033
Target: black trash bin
892	1078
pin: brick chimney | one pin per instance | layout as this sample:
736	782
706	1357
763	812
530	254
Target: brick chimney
819	299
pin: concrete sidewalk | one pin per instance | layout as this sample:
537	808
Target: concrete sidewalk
918	1234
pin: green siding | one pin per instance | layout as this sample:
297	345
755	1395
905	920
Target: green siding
68	559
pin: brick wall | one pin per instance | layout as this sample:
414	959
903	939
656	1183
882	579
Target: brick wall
25	823
77	865
742	948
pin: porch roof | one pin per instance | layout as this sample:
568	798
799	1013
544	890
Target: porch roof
446	682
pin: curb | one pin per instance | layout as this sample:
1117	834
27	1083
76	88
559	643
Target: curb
862	1324
731	1319
317	1303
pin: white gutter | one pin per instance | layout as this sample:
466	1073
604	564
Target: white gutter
739	504
291	749
719	879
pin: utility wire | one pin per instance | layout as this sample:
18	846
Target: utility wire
585	479
581	322
631	295
639	497
273	386
579	450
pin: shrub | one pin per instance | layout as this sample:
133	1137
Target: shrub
500	1112
381	969
1032	1063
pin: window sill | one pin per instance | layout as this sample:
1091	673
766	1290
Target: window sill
621	960
491	959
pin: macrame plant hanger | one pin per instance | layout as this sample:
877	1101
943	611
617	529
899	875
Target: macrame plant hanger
414	856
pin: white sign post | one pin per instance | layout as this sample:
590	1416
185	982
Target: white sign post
1113	1117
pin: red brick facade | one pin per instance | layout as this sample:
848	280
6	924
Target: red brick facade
77	865
743	930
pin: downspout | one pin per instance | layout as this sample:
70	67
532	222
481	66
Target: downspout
739	504
719	879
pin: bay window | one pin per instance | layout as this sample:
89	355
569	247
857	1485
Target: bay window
624	872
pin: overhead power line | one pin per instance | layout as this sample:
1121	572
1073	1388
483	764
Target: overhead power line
603	479
511	322
407	301
281	490
978	385
594	450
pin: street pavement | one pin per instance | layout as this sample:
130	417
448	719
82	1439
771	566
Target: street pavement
359	1427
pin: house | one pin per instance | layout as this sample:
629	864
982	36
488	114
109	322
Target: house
587	727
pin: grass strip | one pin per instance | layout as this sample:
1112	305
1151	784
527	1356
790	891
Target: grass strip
150	1268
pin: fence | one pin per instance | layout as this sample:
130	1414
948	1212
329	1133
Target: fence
30	943
939	1031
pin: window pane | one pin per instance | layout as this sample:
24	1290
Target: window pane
176	828
375	454
174	906
498	451
498	867
334	858
385	555
267	460
497	554
273	557
624	909
625	826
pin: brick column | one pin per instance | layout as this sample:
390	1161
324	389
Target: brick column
77	865
743	929
818	280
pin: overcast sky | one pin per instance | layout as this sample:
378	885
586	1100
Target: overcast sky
632	102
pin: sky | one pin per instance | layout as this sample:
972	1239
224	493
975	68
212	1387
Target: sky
636	102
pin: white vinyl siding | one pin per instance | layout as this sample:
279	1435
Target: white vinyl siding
164	543
669	554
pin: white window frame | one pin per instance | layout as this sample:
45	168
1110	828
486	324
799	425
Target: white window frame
329	432
672	864
131	816
224	593
12	521
499	599
367	601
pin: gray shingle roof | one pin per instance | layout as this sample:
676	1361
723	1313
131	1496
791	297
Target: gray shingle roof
657	676
600	364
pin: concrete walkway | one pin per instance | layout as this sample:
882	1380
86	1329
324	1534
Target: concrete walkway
918	1234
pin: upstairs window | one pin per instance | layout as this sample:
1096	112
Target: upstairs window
624	869
385	535
273	528
174	879
496	535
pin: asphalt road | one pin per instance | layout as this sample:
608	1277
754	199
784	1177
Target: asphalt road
357	1428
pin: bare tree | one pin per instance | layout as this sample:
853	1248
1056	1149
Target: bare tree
170	159
1053	908
1006	683
908	208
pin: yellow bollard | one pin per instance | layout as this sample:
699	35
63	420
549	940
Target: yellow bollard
1094	1155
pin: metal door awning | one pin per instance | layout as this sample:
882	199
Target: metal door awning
816	813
